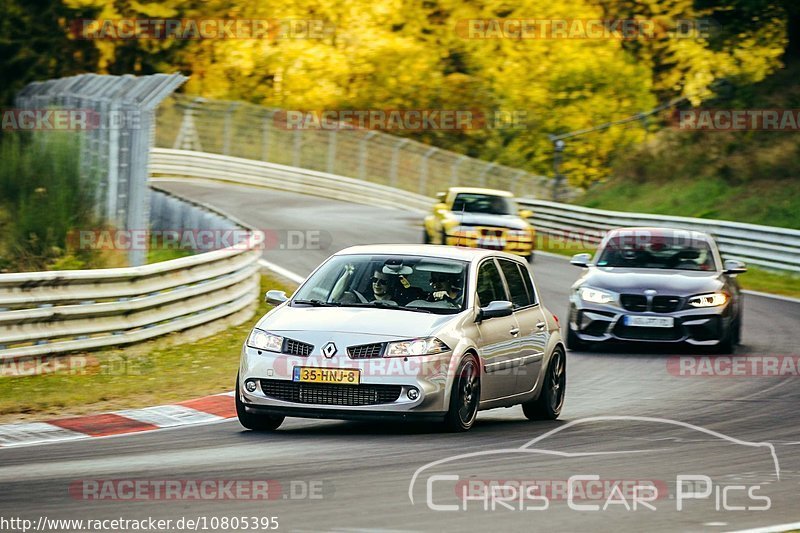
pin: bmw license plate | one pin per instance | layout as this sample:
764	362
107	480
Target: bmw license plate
650	321
342	376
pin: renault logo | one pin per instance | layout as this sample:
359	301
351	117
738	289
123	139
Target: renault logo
329	350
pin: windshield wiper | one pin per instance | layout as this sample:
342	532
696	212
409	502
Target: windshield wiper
317	303
387	305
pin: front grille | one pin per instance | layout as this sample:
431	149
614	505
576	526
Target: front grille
635	333
293	347
330	394
366	351
634	302
666	304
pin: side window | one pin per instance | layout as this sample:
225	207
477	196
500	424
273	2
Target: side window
490	284
526	277
516	283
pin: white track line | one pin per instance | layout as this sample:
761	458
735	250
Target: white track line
288	274
771	529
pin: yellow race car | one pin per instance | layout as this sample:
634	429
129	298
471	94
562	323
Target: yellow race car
480	218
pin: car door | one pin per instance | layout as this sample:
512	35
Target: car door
497	341
531	321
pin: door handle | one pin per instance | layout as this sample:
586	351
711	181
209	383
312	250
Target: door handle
540	325
514	331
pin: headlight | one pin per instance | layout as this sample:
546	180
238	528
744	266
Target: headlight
595	296
713	299
428	346
261	340
518	233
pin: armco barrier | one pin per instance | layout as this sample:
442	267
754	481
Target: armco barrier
766	246
49	313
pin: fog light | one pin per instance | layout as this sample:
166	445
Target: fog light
250	386
412	394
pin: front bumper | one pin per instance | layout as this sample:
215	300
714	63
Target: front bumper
383	391
596	323
514	245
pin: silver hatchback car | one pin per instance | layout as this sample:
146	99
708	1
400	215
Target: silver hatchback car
406	332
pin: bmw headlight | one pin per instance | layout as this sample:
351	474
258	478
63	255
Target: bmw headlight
427	346
713	299
518	233
596	296
261	340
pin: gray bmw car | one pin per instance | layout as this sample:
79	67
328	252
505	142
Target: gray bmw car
405	332
656	285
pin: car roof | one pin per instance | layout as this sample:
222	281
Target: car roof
480	190
427	250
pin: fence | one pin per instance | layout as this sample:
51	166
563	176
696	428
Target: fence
116	139
47	313
254	132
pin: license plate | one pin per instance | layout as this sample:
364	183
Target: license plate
342	376
490	242
650	321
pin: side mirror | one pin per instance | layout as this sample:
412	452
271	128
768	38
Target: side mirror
733	266
440	196
581	260
275	297
496	309
525	213
440	207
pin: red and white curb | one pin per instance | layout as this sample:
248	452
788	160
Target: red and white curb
204	410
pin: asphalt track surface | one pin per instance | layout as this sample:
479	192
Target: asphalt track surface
361	473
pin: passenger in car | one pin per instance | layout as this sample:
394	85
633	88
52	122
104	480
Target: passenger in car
446	286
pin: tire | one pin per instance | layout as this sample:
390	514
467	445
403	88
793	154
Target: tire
465	396
530	257
444	238
426	238
252	421
728	342
550	401
574	344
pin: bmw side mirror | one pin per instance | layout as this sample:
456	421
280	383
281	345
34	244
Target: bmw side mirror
733	266
525	213
496	309
581	260
275	297
440	196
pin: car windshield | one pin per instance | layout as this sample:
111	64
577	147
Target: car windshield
402	282
676	252
484	203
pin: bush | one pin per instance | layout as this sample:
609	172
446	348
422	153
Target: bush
43	198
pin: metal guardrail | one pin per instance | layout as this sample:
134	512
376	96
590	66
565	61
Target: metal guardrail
166	162
766	246
48	313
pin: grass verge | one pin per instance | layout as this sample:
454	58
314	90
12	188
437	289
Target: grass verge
151	373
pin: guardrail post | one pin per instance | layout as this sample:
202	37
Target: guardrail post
515	181
423	171
362	154
395	162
